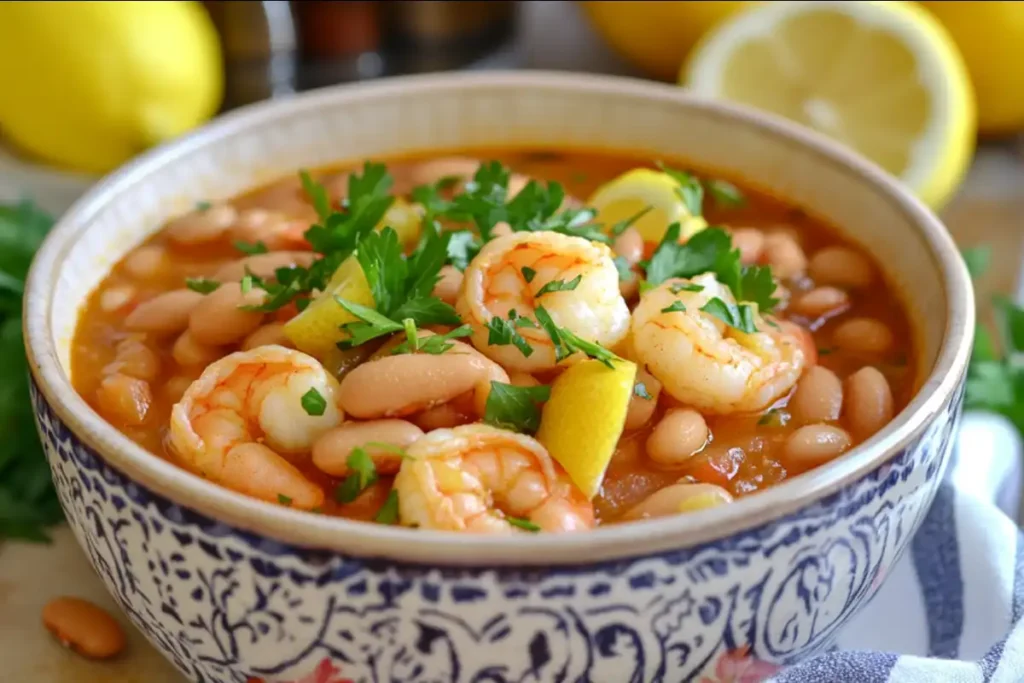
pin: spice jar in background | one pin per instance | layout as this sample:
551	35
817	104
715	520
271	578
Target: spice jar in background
272	49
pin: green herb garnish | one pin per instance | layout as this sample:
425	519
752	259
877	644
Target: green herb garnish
388	513
515	408
201	285
314	403
251	248
528	274
640	391
675	307
283	499
524	524
740	316
690	190
503	332
28	502
725	193
435	344
559	286
203	205
567	343
775	417
363	475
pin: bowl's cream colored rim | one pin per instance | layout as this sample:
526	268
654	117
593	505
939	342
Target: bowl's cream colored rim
445	548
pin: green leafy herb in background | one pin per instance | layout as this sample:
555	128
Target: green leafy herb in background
28	503
995	377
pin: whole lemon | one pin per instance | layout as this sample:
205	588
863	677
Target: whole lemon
656	36
88	85
990	36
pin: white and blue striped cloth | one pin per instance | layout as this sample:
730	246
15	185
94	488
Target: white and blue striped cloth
951	610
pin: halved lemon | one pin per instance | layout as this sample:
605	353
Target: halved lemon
632	192
315	330
582	421
883	77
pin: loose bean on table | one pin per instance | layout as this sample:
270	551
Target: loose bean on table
841	267
863	335
815	444
680	434
83	627
818	396
869	402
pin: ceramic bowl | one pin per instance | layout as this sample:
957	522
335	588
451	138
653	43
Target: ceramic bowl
230	588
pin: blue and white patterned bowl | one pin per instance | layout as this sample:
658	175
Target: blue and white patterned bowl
230	588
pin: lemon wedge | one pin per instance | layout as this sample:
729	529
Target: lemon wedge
582	421
315	330
882	77
632	192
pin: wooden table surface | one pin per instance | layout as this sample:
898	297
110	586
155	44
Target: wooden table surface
987	210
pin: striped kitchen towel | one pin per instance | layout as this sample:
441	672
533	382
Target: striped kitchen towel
951	610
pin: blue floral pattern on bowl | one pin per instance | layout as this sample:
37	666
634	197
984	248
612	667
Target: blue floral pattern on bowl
225	605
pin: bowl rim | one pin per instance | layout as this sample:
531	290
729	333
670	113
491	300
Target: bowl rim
359	539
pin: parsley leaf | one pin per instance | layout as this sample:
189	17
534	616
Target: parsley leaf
528	274
363	475
524	524
515	408
317	195
758	285
739	316
314	403
623	225
251	248
28	502
675	307
435	344
463	246
370	325
685	287
690	190
640	391
567	343
201	284
388	513
725	193
503	332
978	259
559	286
625	271
709	250
283	499
203	205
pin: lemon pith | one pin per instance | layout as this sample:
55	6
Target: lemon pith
584	417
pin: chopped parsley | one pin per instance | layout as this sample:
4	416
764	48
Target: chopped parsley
567	343
388	513
739	316
689	190
776	417
503	332
463	246
515	408
640	391
363	474
203	205
685	287
623	225
314	403
528	274
675	307
435	344
201	284
251	248
524	524
625	271
559	286
724	193
283	499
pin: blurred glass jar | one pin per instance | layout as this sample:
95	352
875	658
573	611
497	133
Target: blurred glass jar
276	48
